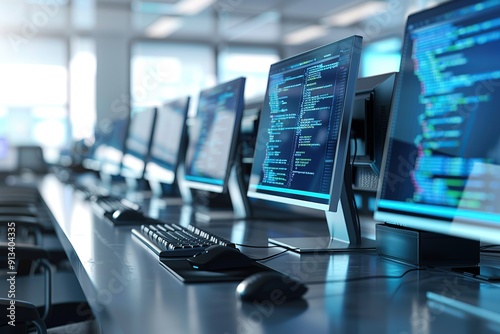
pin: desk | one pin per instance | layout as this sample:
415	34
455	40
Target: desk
130	292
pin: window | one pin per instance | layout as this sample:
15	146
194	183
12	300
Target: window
163	71
252	63
381	57
34	110
82	87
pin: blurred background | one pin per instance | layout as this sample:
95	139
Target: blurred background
68	68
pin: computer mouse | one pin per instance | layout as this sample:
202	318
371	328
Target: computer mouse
218	257
271	286
127	216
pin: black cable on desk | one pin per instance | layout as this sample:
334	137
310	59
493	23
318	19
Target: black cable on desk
486	249
271	256
349	177
491	251
255	246
265	247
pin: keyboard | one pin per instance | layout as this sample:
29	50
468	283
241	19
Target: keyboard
108	204
88	193
173	240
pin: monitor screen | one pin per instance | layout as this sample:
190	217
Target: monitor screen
169	141
303	135
138	142
213	136
107	151
441	170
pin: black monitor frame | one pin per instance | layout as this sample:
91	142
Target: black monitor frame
337	201
229	174
170	137
141	128
370	120
109	145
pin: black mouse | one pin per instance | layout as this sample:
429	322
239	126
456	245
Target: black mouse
270	286
127	216
217	257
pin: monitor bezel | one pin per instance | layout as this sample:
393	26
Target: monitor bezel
239	107
342	147
108	154
128	169
454	226
155	169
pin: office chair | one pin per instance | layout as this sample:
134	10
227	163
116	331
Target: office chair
60	301
30	159
27	318
26	314
35	222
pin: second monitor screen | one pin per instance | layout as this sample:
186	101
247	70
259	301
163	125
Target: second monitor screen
213	136
169	140
138	142
304	126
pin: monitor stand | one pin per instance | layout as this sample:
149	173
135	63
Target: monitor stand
160	201
343	226
136	189
106	181
110	184
159	195
239	201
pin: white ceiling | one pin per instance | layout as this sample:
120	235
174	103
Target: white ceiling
223	21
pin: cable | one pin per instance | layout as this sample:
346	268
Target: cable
486	249
271	256
348	180
265	247
491	251
366	277
488	246
355	148
255	246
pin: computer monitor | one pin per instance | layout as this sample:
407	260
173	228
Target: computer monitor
212	162
168	146
108	148
138	143
303	140
370	119
441	169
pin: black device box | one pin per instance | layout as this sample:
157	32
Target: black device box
425	249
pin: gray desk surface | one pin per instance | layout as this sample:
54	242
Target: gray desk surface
130	292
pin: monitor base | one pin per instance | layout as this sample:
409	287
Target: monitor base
163	202
322	244
217	215
425	249
161	205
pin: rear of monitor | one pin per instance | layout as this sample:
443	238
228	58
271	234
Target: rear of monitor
441	168
213	161
302	147
370	119
372	104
